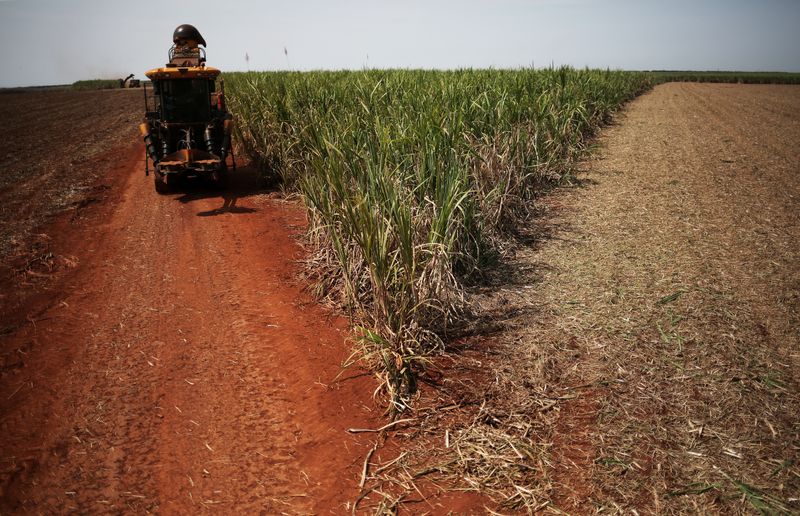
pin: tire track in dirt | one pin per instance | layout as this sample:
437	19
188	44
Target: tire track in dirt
180	367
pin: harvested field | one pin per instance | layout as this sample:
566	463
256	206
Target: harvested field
53	141
651	355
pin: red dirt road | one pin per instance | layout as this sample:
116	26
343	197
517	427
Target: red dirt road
178	365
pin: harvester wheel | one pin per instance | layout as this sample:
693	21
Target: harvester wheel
160	181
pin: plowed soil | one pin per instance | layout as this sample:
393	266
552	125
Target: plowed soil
158	352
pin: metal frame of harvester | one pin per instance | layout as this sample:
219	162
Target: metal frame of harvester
188	131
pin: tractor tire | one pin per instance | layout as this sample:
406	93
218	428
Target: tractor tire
160	182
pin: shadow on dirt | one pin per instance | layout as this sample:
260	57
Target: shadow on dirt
244	182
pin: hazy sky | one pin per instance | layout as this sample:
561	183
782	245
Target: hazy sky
56	42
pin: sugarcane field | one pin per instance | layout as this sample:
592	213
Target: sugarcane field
400	259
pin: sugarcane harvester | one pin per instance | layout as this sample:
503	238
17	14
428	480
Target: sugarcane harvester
187	129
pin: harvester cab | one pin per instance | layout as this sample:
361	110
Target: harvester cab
187	129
